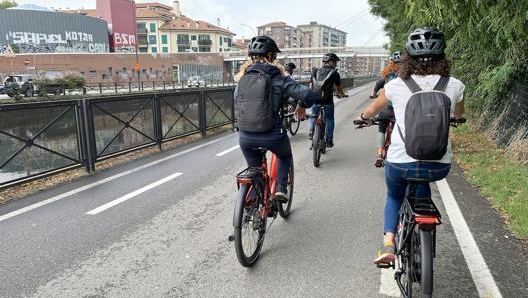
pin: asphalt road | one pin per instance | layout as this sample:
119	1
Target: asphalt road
158	227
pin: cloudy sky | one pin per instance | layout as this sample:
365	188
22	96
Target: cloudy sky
242	18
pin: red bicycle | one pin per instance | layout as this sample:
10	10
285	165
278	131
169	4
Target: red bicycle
254	205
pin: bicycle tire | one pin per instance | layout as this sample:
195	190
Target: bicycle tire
284	209
426	266
293	124
250	224
316	145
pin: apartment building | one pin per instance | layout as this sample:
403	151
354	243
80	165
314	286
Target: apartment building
163	29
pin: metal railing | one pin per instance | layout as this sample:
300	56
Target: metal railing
42	138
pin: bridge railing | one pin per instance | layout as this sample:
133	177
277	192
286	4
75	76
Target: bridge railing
42	138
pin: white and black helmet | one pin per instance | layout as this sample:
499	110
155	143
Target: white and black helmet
426	42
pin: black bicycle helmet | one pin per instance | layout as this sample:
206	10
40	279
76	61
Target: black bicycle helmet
289	66
396	56
261	45
426	42
330	56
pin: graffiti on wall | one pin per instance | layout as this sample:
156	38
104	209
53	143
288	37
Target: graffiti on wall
68	42
124	43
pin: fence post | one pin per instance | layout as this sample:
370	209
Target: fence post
88	137
156	109
203	113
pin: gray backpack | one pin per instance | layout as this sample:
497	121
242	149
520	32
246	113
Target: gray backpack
427	116
254	102
320	77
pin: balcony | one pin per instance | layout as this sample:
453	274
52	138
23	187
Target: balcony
205	42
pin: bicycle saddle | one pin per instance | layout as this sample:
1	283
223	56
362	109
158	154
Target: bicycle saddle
418	180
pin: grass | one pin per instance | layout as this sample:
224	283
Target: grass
500	179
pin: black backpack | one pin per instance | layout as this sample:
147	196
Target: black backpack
320	85
427	116
254	102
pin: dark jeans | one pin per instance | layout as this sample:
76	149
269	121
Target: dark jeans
395	174
281	148
330	123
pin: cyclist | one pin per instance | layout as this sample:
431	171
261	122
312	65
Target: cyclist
425	62
388	73
289	67
262	52
330	62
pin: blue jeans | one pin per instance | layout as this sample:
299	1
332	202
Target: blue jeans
281	148
330	124
395	174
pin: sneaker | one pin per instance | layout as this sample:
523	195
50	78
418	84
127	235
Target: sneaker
329	144
310	134
379	161
281	193
387	254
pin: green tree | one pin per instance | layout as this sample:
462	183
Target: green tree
486	40
7	4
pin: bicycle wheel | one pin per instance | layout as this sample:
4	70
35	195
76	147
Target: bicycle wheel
293	123
250	225
284	209
426	268
316	145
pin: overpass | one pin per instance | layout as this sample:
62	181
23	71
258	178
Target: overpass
308	53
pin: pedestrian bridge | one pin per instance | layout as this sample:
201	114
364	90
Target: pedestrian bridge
300	53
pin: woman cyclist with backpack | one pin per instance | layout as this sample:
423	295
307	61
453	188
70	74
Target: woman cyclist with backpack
425	63
262	52
388	73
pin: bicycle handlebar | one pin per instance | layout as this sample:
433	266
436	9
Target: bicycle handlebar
453	121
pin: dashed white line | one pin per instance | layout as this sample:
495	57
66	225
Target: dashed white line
228	150
102	181
132	194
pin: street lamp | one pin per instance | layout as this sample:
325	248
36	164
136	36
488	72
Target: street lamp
252	29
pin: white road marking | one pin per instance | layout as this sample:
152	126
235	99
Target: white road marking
388	284
484	282
228	150
102	181
132	194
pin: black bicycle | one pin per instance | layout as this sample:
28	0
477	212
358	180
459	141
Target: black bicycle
416	238
318	137
289	120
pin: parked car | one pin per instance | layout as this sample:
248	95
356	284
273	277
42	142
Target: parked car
196	81
24	84
27	87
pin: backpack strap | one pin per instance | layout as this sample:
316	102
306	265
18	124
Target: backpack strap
411	83
442	83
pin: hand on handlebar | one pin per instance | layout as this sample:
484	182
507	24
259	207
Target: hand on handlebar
300	112
360	122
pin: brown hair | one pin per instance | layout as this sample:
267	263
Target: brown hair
252	60
419	66
391	67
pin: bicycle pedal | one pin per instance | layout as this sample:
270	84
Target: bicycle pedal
385	265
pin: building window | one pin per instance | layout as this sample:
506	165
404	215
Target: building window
182	39
193	37
165	49
152	27
164	39
152	39
220	41
154	49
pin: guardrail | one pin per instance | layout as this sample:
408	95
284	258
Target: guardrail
42	138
